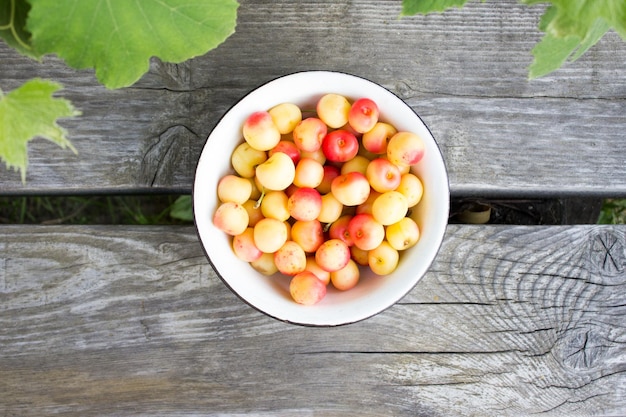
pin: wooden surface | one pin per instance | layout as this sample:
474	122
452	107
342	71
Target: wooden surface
510	321
464	72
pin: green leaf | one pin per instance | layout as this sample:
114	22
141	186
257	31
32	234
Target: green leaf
547	17
579	17
118	37
567	42
598	30
550	53
182	209
12	26
613	212
27	112
571	27
412	7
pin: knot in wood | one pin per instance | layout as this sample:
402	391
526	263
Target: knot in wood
607	256
167	156
581	348
403	90
176	77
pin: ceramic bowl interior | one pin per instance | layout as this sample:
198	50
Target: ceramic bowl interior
270	295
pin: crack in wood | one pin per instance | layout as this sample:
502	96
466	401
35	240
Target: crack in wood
547	329
160	160
410	352
460	303
146	329
569	401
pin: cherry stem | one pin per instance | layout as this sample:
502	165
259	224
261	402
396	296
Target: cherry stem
260	200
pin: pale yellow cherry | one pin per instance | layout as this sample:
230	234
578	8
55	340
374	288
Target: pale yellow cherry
231	218
309	134
270	235
347	277
277	173
383	175
234	188
265	264
333	109
274	205
390	207
375	140
384	259
332	255
290	259
357	164
405	148
309	173
308	234
260	131
412	188
305	288
331	209
286	117
403	234
351	189
245	159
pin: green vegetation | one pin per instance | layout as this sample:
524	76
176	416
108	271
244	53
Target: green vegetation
32	112
116	39
570	27
613	212
137	210
150	209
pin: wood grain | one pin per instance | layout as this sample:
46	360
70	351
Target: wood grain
463	71
509	321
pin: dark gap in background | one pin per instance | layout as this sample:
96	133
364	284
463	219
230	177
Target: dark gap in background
166	209
90	209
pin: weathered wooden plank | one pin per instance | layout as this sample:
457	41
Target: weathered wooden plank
509	321
463	71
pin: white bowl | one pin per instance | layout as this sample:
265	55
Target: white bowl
270	295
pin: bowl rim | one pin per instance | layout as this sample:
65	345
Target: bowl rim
226	281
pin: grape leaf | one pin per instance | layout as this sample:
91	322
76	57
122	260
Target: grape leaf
598	30
12	26
412	7
27	112
118	37
572	27
578	17
552	52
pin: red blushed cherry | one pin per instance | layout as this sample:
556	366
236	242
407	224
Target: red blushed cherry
287	147
340	146
363	115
